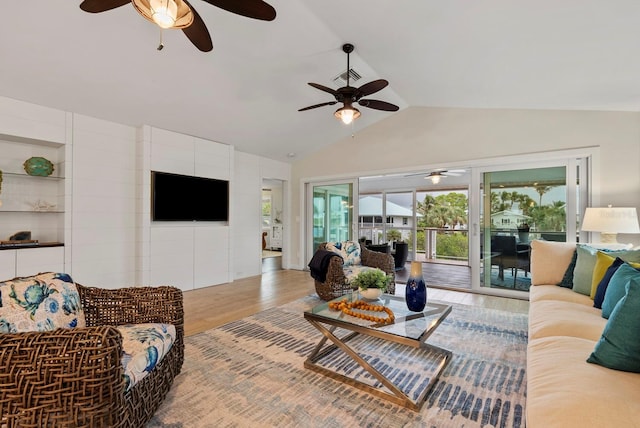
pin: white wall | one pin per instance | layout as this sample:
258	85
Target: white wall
103	214
247	247
107	232
420	136
247	240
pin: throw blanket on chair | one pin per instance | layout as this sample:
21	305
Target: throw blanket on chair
320	263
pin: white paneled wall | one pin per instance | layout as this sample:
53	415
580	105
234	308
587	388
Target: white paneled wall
109	238
250	170
248	213
104	203
185	254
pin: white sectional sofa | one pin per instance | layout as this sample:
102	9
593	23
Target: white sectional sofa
563	389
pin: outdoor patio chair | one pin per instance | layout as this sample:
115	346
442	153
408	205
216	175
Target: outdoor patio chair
512	255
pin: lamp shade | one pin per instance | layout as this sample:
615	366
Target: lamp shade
610	221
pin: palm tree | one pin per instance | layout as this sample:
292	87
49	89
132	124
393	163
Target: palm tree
542	190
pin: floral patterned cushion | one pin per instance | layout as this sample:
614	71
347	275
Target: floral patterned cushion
41	302
144	346
348	250
352	271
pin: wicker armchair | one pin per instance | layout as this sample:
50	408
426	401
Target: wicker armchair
335	284
74	377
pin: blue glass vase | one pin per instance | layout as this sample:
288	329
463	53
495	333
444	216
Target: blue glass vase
416	291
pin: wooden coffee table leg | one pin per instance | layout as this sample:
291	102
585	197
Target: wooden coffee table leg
396	395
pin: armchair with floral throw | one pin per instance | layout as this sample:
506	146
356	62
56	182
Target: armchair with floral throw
78	356
346	260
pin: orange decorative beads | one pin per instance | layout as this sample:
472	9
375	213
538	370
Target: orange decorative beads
348	309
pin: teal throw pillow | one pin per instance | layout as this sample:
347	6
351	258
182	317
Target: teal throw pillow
619	346
567	279
583	273
616	289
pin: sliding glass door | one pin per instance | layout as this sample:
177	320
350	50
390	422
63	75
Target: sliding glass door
516	205
330	215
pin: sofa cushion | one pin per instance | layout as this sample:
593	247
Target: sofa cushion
558	318
41	302
553	292
617	287
564	391
619	347
549	261
143	347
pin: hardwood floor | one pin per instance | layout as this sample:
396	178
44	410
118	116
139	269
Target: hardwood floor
213	306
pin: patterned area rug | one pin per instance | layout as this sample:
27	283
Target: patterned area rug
522	283
250	373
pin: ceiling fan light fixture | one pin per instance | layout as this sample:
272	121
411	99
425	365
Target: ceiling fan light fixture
165	13
347	114
434	177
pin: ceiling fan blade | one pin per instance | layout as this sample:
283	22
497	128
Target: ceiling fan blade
96	6
330	103
197	32
372	87
324	88
256	9
379	105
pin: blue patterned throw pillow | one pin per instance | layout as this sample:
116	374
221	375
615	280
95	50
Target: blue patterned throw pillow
41	302
348	250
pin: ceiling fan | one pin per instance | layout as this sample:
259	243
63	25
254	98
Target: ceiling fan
349	95
180	14
436	175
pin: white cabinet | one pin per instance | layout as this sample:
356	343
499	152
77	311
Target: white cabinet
30	261
276	237
7	264
188	256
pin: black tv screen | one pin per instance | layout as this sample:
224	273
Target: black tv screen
177	197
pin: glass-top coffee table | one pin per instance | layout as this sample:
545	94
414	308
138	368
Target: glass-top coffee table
408	328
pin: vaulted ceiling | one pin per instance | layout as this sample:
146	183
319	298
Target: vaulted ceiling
547	54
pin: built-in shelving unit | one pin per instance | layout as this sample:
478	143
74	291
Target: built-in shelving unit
29	202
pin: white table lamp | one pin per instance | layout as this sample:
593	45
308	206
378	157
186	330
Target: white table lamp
610	221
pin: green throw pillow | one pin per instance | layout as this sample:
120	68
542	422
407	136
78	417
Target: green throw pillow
583	273
616	289
619	346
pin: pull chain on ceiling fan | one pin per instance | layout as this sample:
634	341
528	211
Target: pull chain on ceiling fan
349	95
179	14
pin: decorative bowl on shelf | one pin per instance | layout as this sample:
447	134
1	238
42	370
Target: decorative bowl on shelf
38	166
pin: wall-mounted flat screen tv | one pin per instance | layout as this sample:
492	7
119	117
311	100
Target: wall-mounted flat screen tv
177	197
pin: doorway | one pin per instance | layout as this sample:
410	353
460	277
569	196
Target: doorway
272	224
